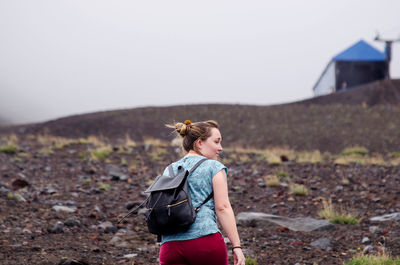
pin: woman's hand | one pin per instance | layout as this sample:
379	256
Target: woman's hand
238	257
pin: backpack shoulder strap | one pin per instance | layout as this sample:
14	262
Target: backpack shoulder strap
204	202
171	171
197	164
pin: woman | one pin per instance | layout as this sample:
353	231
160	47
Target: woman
203	243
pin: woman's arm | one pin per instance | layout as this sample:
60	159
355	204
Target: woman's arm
225	213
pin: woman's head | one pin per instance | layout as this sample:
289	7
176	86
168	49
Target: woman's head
202	137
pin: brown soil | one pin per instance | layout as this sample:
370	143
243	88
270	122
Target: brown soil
27	228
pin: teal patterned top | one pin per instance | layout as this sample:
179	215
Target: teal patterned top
200	186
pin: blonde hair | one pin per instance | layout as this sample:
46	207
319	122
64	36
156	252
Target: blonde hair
191	132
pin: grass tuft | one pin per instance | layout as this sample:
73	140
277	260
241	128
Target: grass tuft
298	189
356	150
271	180
341	216
313	157
9	148
100	153
250	261
129	142
380	259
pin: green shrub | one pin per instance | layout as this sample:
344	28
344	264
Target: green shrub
250	261
282	174
104	186
357	150
101	152
395	155
345	219
9	148
381	259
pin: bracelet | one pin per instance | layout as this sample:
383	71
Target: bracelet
236	247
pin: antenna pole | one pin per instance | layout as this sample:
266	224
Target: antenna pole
388	51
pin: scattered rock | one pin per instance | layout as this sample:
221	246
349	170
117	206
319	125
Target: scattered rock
365	240
322	243
60	208
123	244
50	190
57	228
72	221
374	229
115	239
19	183
368	249
128	256
386	217
107	227
66	261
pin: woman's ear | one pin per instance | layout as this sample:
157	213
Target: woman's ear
198	144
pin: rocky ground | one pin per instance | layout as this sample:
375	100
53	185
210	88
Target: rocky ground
60	202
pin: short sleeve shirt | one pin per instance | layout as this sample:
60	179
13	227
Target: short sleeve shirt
200	186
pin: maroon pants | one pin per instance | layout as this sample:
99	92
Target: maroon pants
210	250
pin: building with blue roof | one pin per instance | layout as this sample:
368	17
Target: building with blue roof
359	64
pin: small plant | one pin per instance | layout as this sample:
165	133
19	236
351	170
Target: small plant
336	216
123	161
298	189
282	174
380	259
128	141
104	186
46	151
95	141
395	155
274	160
100	153
309	157
24	155
348	219
356	150
9	148
87	180
82	156
272	181
250	261
236	188
245	158
154	142
345	181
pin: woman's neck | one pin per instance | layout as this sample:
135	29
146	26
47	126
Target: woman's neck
193	153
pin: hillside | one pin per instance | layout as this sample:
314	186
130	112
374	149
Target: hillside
329	123
385	92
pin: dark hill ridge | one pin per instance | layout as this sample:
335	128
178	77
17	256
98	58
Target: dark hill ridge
305	125
376	93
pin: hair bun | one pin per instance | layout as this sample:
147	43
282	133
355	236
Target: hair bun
182	128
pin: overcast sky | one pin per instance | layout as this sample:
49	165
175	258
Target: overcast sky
59	58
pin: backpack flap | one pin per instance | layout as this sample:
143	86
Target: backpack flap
163	182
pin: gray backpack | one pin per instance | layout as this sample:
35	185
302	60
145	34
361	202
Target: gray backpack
169	205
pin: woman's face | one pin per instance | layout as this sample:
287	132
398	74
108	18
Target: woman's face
211	147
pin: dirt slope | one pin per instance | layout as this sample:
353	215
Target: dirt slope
329	123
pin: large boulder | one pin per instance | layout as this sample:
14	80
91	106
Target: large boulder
304	224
